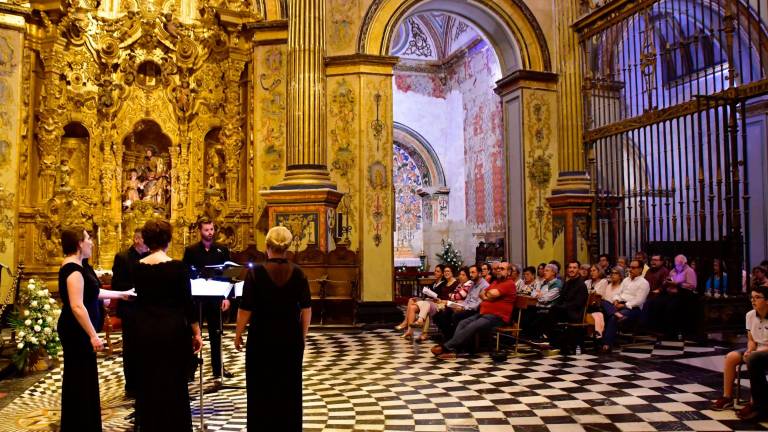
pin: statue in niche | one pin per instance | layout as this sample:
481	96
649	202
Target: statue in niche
132	188
214	172
64	176
152	179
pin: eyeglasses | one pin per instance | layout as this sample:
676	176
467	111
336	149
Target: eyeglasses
755	298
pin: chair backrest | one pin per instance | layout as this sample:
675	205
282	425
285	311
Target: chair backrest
593	296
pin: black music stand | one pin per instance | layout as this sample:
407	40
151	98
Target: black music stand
203	289
232	274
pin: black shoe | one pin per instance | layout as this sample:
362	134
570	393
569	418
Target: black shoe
227	374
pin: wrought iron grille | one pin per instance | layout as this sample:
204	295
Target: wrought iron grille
669	87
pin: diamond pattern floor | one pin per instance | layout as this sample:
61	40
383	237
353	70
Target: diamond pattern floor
375	381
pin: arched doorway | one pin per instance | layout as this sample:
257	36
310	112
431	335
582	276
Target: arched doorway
514	38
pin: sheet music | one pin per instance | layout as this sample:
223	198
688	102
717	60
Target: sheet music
239	288
210	288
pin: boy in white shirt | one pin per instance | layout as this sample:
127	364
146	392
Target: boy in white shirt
756	358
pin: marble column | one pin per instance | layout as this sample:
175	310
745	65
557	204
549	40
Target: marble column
306	149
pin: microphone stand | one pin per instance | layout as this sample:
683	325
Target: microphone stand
201	394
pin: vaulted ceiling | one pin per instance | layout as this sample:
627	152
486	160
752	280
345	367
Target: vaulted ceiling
432	37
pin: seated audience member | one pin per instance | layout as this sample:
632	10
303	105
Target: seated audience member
674	312
498	301
604	264
449	317
569	308
759	276
546	295
411	309
607	291
529	281
584	272
717	284
595	279
656	274
621	261
557	264
756	358
540	272
626	304
429	306
486	272
643	258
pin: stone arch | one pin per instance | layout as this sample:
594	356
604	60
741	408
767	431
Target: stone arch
419	148
509	25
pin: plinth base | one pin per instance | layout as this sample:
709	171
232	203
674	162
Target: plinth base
309	214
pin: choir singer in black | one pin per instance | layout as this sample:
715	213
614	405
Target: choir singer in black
198	256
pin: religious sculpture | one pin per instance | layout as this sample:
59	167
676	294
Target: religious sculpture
64	176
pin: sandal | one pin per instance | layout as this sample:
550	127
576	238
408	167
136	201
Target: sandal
407	336
400	327
423	337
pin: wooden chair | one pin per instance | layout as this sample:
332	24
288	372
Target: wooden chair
587	323
513	330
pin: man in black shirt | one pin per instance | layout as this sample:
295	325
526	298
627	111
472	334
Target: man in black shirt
198	256
569	308
122	280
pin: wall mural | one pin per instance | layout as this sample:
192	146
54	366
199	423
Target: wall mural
342	133
342	25
378	192
407	180
272	101
538	166
474	76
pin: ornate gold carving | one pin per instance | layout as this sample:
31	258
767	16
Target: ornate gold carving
108	73
538	166
7	209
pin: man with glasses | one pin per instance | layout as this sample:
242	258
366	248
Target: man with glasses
626	304
498	301
756	358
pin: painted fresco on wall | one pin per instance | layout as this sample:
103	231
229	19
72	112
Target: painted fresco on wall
473	76
407	180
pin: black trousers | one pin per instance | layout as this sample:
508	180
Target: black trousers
447	320
130	360
671	314
212	316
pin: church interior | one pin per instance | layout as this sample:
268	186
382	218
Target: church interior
495	139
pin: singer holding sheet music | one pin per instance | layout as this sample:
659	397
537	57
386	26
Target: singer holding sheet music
197	256
276	308
167	334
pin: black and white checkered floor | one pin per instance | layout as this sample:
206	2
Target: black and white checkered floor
376	381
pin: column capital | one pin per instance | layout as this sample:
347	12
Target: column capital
523	78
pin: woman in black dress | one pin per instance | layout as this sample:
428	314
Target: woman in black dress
80	291
167	333
276	307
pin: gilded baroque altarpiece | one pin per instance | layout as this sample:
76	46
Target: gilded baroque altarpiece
125	111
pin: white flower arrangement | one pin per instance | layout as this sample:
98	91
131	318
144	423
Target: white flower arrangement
35	324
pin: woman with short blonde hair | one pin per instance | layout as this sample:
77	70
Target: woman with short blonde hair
276	307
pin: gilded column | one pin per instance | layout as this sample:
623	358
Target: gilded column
570	199
306	150
571	107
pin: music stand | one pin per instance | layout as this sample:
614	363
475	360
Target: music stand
229	273
203	289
